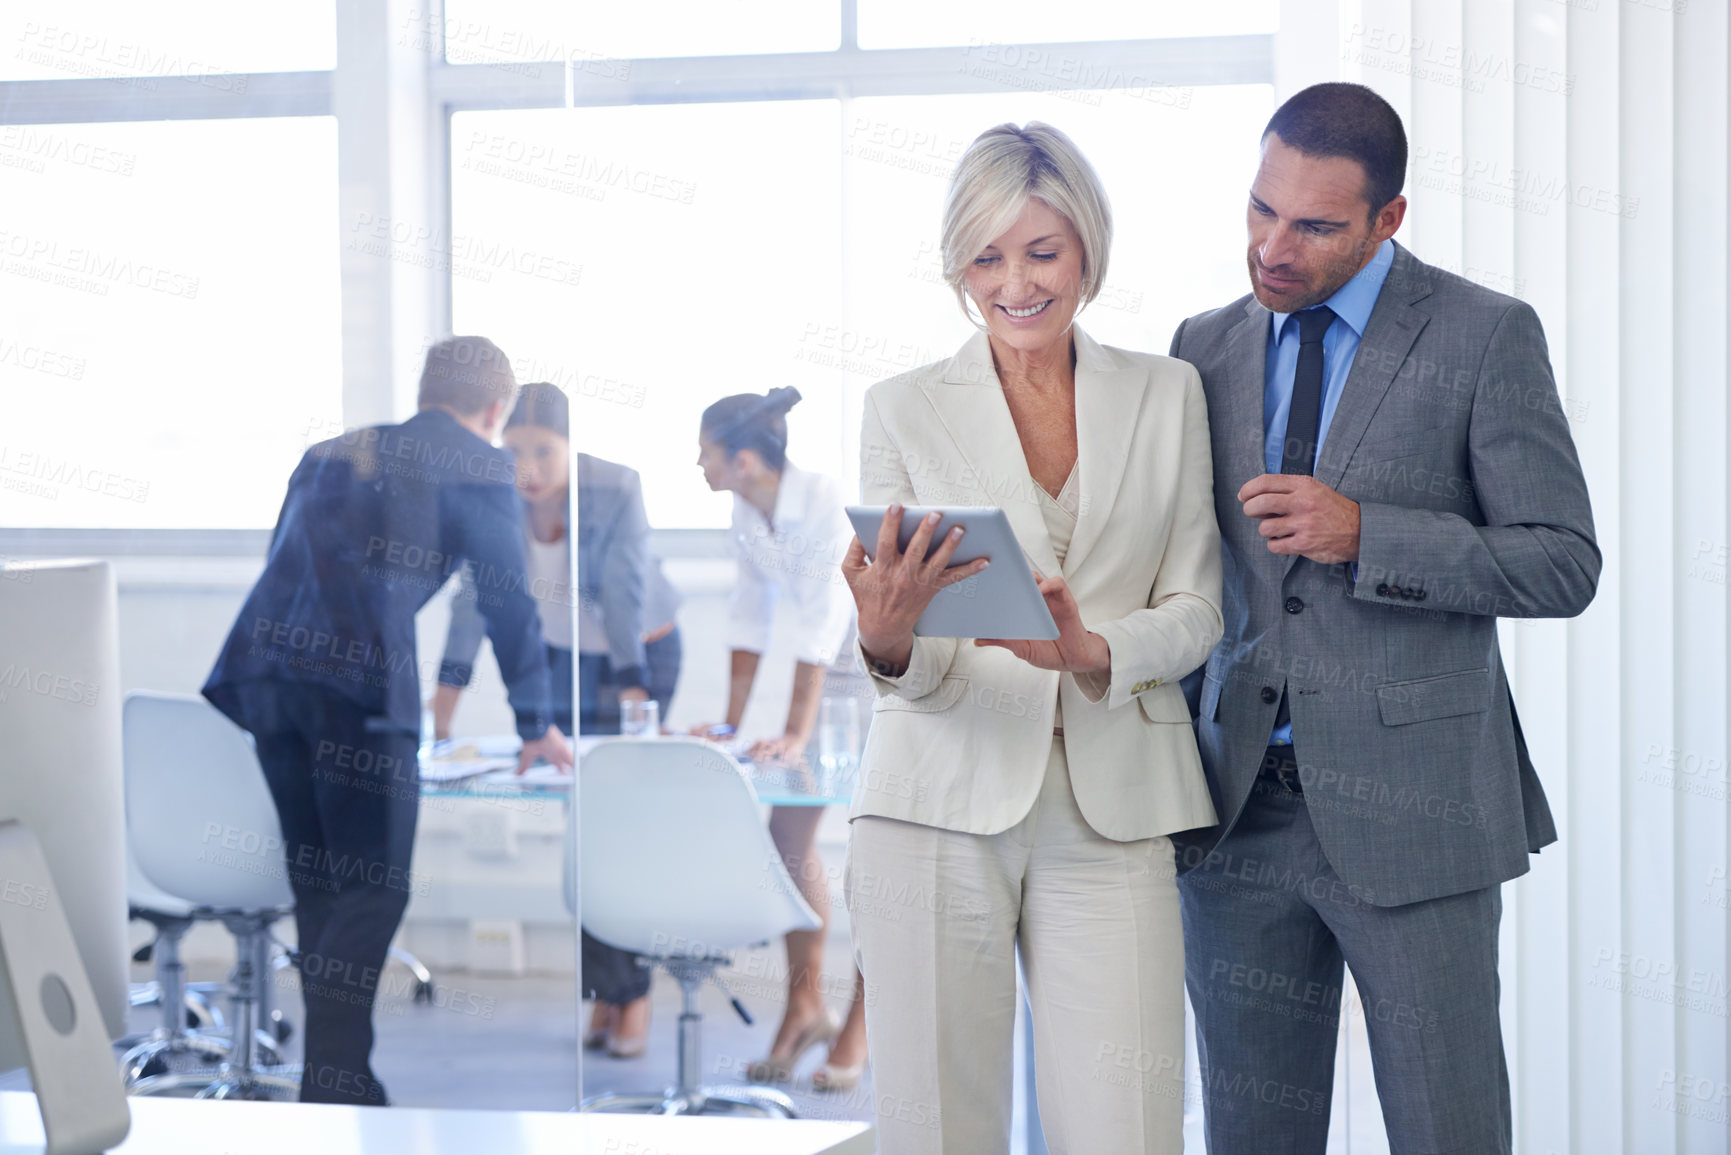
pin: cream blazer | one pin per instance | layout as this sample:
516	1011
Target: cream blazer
961	739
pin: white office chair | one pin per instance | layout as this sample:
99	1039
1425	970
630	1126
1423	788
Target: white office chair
203	827
203	1038
678	866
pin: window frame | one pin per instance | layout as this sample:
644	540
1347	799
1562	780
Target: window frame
383	134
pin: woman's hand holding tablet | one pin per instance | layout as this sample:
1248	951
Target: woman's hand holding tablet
1076	649
912	587
892	591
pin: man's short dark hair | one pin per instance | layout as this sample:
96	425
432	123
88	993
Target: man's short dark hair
1349	120
466	374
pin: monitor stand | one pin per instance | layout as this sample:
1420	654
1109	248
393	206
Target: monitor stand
47	1001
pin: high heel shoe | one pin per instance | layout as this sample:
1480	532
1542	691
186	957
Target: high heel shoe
596	1036
629	1046
830	1077
779	1070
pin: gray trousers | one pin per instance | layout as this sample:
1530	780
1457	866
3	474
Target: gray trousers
1267	927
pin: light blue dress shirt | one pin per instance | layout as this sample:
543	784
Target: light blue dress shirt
1352	304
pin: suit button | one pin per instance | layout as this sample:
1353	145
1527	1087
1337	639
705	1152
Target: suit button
1419	595
1406	594
1382	590
1294	605
1270	695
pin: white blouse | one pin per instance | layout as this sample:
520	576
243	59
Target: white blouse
549	573
1061	514
796	556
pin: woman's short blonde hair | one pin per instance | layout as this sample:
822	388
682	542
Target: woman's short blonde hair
1002	169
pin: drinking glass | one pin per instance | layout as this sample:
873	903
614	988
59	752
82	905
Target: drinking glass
640	719
838	737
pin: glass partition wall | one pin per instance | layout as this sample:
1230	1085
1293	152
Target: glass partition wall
217	272
743	205
225	248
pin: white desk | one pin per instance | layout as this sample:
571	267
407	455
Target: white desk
185	1127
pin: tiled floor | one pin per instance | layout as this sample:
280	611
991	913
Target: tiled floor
511	1043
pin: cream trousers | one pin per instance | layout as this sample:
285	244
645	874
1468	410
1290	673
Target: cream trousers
938	917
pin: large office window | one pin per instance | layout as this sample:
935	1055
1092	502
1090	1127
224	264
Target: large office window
496	31
701	242
722	248
919	24
169	319
186	43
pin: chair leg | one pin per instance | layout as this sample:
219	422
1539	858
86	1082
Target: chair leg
622	1102
171	977
148	1067
249	1071
253	1085
423	976
690	1096
201	1008
766	1101
243	1003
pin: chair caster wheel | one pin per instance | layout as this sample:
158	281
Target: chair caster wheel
424	993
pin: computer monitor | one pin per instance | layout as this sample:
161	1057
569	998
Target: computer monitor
60	762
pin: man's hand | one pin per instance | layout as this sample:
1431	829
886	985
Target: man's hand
551	747
1300	515
1077	649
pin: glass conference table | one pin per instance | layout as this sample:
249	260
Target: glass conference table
486	768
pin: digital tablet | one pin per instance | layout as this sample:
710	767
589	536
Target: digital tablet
1002	602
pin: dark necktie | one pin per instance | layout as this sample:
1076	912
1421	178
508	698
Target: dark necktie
1304	419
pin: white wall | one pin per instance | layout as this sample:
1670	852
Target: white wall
175	611
1574	154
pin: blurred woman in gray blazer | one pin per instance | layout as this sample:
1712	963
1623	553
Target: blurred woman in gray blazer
619	588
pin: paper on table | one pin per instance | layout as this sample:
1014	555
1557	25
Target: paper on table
450	761
455	769
540	774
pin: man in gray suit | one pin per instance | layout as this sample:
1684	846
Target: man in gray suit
1393	472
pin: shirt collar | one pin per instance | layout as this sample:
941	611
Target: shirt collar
1353	301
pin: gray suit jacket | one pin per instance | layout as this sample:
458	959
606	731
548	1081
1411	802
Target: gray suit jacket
615	572
1451	437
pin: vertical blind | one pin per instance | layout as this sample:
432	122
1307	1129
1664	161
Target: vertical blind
1573	153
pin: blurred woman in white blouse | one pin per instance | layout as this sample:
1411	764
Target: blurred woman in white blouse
790	530
1016	796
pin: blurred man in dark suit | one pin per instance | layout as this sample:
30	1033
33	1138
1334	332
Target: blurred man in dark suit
321	667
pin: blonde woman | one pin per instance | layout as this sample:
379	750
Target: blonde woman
982	831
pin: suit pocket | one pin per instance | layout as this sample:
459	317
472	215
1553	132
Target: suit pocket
940	699
1165	703
1444	696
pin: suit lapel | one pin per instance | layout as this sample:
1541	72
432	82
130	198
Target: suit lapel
1245	380
1109	401
1388	337
970	404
